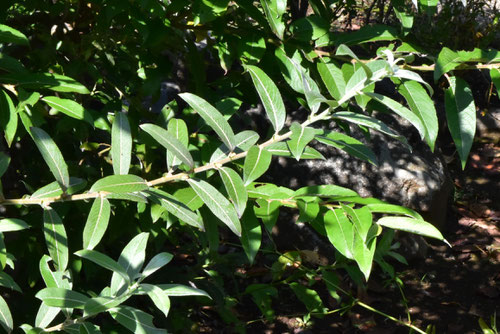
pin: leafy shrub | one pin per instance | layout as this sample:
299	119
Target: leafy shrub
139	184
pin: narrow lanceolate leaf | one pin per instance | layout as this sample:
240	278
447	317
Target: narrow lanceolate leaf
461	116
370	122
56	238
179	290
8	117
243	141
45	315
55	82
404	112
356	83
325	191
394	209
12	224
121	144
132	259
340	232
156	263
217	203
178	129
52	156
281	149
212	117
171	143
274	9
69	107
11	35
256	163
346	143
333	79
135	320
270	97
59	297
101	304
97	223
7	282
234	188
104	261
412	225
53	189
176	207
53	279
158	296
5	316
251	234
301	136
422	106
120	184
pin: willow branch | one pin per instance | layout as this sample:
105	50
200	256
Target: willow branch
165	179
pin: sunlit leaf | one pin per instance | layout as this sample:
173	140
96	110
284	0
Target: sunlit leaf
179	290
11	35
59	297
45	315
234	188
340	232
135	320
256	163
5	316
301	136
217	203
121	144
178	128
12	224
56	238
251	234
52	156
8	117
412	225
346	143
158	296
55	82
156	263
69	107
104	261
53	189
120	184
97	223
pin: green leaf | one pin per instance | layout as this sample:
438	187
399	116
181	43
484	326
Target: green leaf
270	97
251	234
135	320
370	122
346	143
88	328
56	238
328	191
179	290
369	33
234	188
158	296
261	295
135	197
364	252
289	71
3	252
446	61
12	224
256	163
97	222
69	107
120	184
59	297
393	209
243	141
11	35
8	117
495	78
422	106
7	282
217	203
340	232
281	149
176	207
104	261
212	117
412	225
156	263
301	136
168	141
55	82
100	304
309	28
274	10
53	189
461	116
132	259
121	144
46	315
361	219
53	279
333	79
11	64
178	128
309	298
5	316
52	156
4	163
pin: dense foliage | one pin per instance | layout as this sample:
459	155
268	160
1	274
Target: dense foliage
140	178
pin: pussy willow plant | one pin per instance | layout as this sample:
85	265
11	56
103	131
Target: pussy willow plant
226	184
